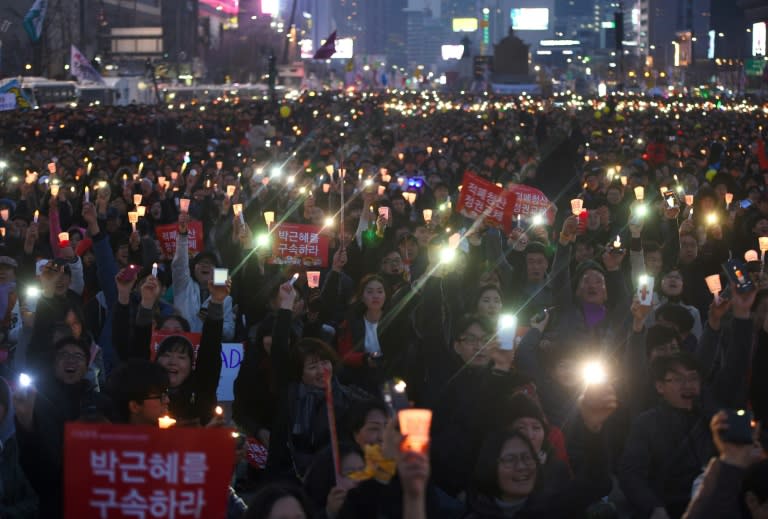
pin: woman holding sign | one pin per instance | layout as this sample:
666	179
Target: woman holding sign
193	373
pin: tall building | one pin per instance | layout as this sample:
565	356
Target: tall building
673	32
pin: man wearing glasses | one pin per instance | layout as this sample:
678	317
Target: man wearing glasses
139	391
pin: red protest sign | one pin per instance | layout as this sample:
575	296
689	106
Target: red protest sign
299	244
158	336
128	471
530	201
166	235
480	197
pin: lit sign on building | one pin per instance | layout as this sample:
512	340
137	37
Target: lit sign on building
345	48
229	7
758	39
464	24
271	7
451	51
529	18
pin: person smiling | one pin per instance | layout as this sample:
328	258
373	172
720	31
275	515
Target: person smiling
193	375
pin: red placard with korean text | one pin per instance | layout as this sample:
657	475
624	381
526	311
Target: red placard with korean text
166	235
480	197
299	244
142	472
530	201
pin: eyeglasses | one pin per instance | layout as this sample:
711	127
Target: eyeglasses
65	355
679	380
510	461
162	396
472	340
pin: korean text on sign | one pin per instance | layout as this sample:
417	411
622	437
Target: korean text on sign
298	244
480	197
166	235
146	472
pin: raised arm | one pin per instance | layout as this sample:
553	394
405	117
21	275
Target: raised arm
730	383
281	339
180	264
208	366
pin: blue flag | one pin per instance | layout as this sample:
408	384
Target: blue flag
33	21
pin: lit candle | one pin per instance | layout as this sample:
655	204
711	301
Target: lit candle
427	213
624	180
184	205
230	191
577	205
137	200
37	215
640	193
141	167
54	190
165	422
4	213
414	425
87	195
313	278
133	218
269	218
218	410
326	188
728	200
617	242
63	239
688	199
142	210
713	283
381	190
154	270
751	255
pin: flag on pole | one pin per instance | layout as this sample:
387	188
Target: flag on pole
327	49
82	69
33	20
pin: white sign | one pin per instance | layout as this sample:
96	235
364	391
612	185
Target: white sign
451	52
758	39
7	102
231	358
529	18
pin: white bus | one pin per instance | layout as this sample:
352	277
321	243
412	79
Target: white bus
48	92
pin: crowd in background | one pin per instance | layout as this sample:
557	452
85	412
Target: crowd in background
606	404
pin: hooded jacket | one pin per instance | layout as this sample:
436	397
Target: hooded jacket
186	292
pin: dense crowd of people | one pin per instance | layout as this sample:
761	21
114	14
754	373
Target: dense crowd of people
633	386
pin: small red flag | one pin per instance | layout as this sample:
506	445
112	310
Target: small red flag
327	49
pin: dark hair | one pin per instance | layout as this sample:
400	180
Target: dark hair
359	411
657	335
521	405
661	366
134	381
262	503
174	317
176	344
651	246
310	347
468	320
676	314
483	289
364	283
756	481
485	481
536	247
321	476
71	341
